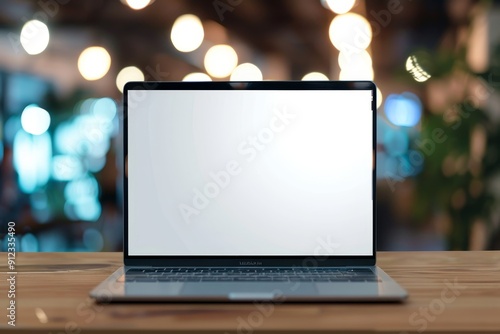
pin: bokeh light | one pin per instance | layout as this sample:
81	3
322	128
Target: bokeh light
187	33
66	167
31	160
416	70
11	127
88	134
29	243
137	4
130	73
380	97
246	72
93	240
354	59
88	209
35	120
357	73
350	32
396	142
314	76
197	76
404	109
82	199
104	109
220	60
35	37
339	6
94	62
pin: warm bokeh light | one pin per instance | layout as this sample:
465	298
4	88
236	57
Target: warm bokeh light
197	76
339	6
354	59
94	63
220	60
357	73
35	37
137	4
380	97
314	76
246	72
478	43
350	32
355	65
35	120
187	33
130	73
414	68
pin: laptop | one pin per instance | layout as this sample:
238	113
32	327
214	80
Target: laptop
249	191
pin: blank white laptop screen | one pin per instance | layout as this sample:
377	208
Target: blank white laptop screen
247	172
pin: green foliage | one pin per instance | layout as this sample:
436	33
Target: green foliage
452	181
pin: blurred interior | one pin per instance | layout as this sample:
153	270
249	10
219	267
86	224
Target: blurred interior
63	64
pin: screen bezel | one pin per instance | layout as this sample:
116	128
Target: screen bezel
236	260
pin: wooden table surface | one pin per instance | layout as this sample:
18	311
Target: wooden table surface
452	292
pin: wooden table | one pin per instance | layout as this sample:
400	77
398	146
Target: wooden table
453	292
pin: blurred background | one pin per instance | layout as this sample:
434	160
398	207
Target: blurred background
63	64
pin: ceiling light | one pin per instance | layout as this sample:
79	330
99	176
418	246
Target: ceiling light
314	76
137	4
94	63
338	6
350	33
34	37
130	73
220	60
197	76
246	72
187	33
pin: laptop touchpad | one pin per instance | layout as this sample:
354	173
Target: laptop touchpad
249	291
153	289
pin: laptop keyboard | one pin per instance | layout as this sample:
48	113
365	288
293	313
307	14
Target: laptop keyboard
250	275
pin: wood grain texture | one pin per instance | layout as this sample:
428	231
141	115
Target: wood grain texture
453	292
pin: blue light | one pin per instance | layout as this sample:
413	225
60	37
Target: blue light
11	127
93	240
52	241
66	137
31	159
381	158
96	164
85	106
40	207
396	142
6	241
382	127
81	188
389	166
104	109
66	167
95	135
88	209
35	120
69	210
104	112
81	199
29	243
404	109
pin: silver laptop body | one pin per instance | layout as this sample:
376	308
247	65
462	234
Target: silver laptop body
249	191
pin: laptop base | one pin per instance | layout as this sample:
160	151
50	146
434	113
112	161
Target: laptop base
115	289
